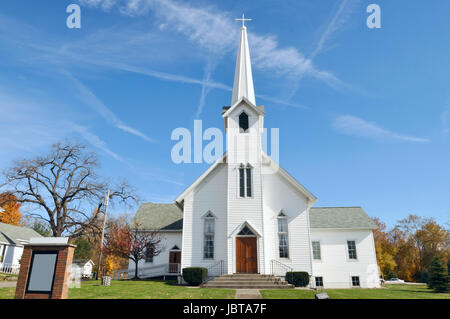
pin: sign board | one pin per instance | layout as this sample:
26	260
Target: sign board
42	272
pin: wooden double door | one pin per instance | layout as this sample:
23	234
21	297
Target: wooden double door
246	255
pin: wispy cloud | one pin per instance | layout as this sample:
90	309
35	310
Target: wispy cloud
94	140
217	32
355	126
343	13
87	96
31	126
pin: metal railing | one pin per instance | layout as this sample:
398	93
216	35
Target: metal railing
215	270
279	269
9	268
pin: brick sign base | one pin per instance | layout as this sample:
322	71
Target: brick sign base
61	277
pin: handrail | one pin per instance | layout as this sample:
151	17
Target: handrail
220	266
161	269
276	265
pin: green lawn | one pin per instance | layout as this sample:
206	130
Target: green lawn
137	290
390	292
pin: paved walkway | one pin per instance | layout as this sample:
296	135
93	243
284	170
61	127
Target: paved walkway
7	284
247	294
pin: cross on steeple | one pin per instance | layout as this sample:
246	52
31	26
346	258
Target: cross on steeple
243	20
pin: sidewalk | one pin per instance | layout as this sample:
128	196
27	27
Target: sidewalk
247	294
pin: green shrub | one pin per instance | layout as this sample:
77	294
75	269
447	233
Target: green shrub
194	275
297	278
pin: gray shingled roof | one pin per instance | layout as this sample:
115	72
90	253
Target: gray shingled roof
10	234
340	217
159	216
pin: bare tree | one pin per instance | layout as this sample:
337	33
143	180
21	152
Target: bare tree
132	242
65	186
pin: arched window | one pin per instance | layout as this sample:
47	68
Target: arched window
283	241
208	235
245	180
243	122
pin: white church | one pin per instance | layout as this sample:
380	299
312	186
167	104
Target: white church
247	215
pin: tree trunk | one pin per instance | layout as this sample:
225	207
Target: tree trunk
136	269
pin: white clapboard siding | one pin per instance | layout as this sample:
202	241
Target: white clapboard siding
336	268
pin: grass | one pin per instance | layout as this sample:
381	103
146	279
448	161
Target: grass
137	290
167	290
145	290
390	292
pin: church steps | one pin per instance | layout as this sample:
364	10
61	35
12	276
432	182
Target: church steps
247	281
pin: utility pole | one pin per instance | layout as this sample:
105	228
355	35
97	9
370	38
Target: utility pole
100	261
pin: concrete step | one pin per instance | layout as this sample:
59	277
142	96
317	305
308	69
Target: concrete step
247	282
247	279
239	286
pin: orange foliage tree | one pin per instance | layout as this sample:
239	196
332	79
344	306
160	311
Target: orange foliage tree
9	214
129	241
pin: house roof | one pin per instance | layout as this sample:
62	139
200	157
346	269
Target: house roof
340	217
83	261
16	235
154	216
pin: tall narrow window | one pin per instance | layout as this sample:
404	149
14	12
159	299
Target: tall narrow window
283	242
248	171
316	250
208	246
243	122
245	181
351	249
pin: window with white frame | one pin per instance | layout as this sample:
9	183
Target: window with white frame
351	246
355	281
245	181
319	281
208	244
283	242
316	250
149	252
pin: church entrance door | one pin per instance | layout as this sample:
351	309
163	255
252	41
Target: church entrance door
246	255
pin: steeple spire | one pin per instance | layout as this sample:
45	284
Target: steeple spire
243	79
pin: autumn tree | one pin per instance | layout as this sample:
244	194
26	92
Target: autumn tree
9	209
427	239
385	250
131	242
65	187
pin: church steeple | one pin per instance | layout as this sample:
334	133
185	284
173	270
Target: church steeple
243	79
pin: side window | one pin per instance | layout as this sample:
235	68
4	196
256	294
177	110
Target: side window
283	241
351	245
208	244
316	250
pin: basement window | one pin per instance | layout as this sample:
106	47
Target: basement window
355	281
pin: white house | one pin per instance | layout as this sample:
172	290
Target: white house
246	214
84	267
12	240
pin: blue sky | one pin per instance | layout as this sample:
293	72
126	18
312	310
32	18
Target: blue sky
364	114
